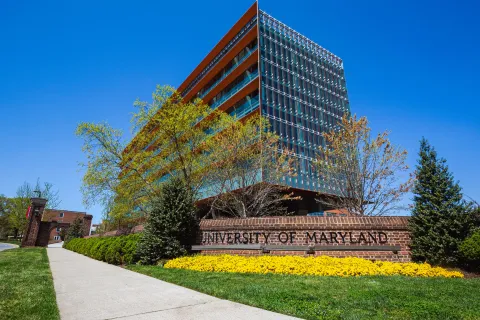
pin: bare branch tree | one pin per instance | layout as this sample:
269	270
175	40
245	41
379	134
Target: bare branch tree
362	172
248	172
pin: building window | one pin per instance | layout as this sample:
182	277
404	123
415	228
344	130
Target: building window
59	229
56	238
61	214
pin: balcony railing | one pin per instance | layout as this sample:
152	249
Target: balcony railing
235	89
233	67
246	108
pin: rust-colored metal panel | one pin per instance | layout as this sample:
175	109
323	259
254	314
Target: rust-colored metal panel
249	88
251	12
250	61
249	37
260	71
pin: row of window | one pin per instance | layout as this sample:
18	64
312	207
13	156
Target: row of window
306	176
308	183
286	101
245	105
234	86
231	65
290	75
291	59
307	151
286	33
321	99
312	129
298	49
305	121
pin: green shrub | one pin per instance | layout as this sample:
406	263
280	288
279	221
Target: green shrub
130	249
171	224
114	250
470	250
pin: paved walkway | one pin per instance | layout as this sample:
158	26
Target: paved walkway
56	245
90	289
6	246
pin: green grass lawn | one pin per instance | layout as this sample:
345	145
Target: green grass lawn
312	297
26	285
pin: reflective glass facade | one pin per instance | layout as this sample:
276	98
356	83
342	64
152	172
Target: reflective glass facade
303	93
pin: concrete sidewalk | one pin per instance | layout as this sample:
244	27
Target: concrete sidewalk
55	245
6	246
90	289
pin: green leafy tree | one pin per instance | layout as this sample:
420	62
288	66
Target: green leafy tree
104	148
171	227
474	216
169	141
440	218
5	211
470	251
75	230
20	203
63	234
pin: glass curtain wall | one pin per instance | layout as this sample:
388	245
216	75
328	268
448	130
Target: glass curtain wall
303	93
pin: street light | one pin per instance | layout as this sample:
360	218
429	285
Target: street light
38	192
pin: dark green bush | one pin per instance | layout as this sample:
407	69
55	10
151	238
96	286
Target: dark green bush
171	226
130	255
470	250
115	250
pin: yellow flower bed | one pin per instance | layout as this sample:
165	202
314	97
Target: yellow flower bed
298	265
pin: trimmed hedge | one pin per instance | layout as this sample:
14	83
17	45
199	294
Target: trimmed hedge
114	250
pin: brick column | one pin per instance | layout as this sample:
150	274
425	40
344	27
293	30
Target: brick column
87	224
36	211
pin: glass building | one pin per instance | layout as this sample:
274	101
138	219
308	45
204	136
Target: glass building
261	65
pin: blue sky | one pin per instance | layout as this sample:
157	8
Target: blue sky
411	66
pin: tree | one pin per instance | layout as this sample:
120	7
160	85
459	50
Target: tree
5	212
474	214
46	191
176	137
362	172
248	170
104	148
470	251
171	226
21	202
169	141
75	230
440	217
63	234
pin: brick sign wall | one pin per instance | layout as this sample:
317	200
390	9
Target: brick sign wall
379	238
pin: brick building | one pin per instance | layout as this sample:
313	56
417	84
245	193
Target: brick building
65	216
